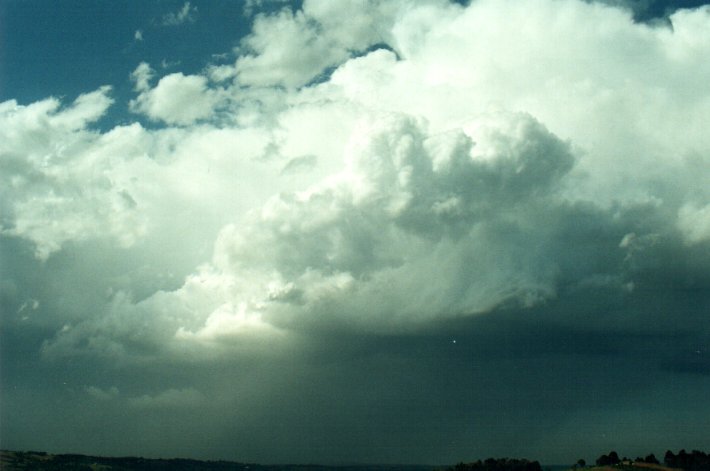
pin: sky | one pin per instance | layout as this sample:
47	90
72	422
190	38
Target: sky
355	231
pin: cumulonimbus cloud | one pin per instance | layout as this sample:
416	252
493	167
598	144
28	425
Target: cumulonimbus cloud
487	157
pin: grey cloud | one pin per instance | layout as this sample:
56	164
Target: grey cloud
446	224
384	222
170	398
299	164
650	10
101	394
415	229
346	394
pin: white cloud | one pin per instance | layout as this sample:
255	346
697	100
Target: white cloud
291	49
138	35
62	182
186	14
142	76
613	70
293	58
53	187
221	73
176	99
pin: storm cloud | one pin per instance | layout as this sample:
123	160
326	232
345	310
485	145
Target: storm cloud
383	232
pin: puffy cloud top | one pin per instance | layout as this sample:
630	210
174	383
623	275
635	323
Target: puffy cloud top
176	99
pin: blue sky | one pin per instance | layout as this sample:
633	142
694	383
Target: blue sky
64	48
366	231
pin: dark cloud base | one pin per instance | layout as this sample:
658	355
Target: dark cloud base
509	384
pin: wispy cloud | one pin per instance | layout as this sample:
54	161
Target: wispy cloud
186	14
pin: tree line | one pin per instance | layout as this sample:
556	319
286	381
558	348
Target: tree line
693	461
498	464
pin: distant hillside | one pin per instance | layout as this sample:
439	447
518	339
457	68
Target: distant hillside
633	467
40	461
498	464
682	461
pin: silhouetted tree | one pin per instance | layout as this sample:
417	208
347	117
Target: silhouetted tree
700	460
669	459
651	459
694	461
614	458
581	463
682	460
607	460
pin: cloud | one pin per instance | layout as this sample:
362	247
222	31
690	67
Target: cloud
301	163
186	14
44	149
311	226
142	76
292	61
458	202
138	36
102	394
292	48
170	398
176	99
415	229
220	73
653	11
251	5
456	206
381	223
694	223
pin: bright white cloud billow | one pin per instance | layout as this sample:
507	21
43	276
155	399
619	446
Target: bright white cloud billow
176	99
291	49
365	169
60	181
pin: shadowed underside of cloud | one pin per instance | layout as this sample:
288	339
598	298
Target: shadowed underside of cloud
506	200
